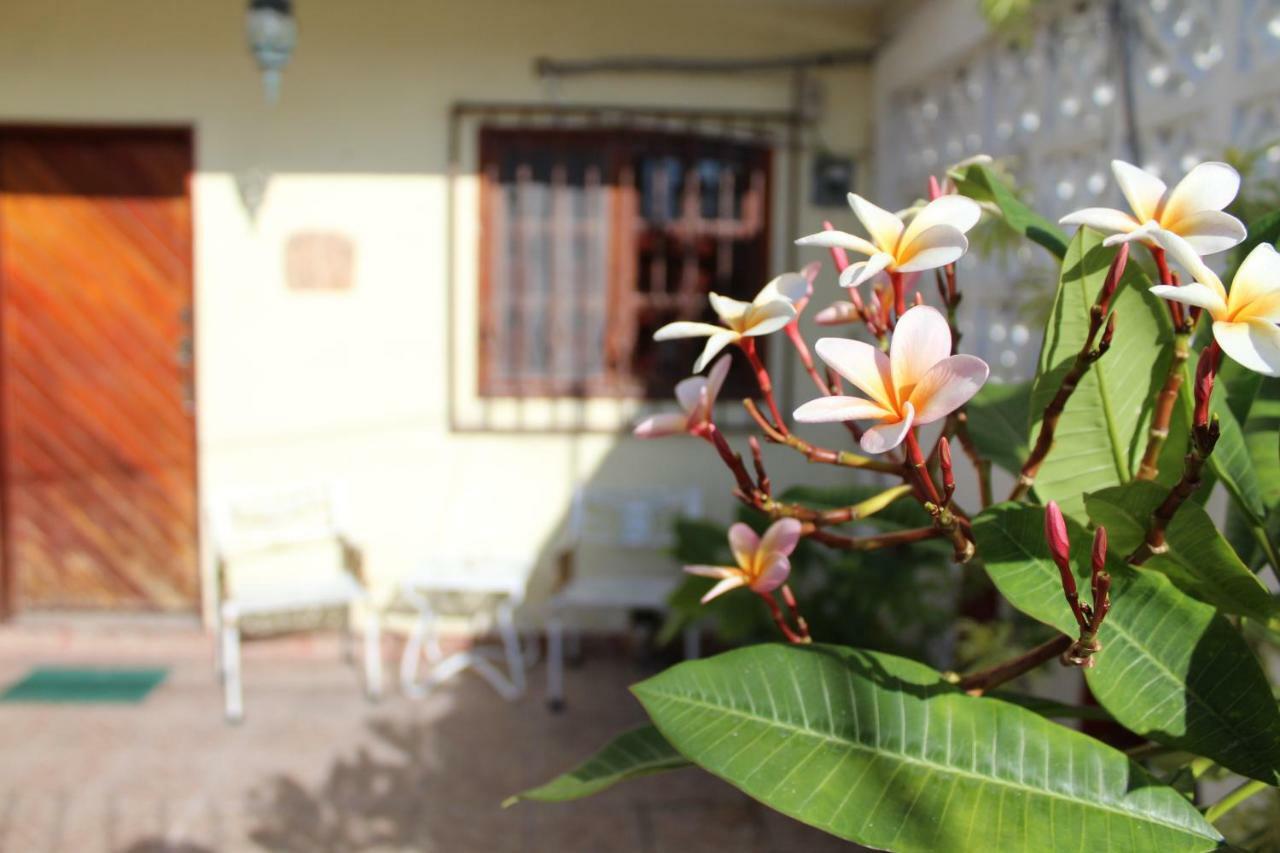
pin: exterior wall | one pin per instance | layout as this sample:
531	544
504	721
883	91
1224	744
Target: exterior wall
352	384
1049	101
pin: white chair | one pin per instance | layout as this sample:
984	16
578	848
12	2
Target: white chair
490	587
634	520
283	552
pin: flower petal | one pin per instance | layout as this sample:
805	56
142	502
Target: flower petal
767	318
1209	231
1143	190
1209	186
921	339
744	543
713	571
1103	219
669	423
715	344
1144	234
885	437
837	314
826	410
730	311
715	380
1195	294
860	363
1189	258
689	392
839	240
861	271
947	386
781	538
772	575
686	329
959	212
932	248
726	585
1255	290
790	286
1253	343
885	228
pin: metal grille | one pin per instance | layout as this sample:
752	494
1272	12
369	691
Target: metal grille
591	239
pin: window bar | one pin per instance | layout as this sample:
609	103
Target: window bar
523	250
561	273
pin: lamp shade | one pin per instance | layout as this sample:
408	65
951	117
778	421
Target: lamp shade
273	33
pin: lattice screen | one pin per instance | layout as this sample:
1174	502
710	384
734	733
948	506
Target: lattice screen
1206	75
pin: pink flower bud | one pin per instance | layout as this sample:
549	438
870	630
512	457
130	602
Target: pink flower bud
1099	549
1055	533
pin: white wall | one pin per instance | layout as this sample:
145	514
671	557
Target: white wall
352	384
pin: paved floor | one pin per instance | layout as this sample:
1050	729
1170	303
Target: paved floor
316	768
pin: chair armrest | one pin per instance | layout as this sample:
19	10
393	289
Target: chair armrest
352	557
566	566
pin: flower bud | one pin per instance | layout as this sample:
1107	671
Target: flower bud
1099	550
1055	533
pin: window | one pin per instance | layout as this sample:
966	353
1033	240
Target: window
592	239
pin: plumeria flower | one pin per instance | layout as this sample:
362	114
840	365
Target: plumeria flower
1193	209
918	382
697	396
763	561
1244	320
772	309
934	238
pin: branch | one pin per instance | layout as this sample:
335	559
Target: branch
872	543
1163	410
1202	443
814	453
978	683
824	518
1098	317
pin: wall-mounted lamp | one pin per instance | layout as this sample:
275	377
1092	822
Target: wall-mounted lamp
272	32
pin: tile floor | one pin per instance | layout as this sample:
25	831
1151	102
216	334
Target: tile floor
316	768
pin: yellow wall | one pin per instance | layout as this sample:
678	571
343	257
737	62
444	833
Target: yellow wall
352	384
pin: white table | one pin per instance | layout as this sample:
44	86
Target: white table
500	583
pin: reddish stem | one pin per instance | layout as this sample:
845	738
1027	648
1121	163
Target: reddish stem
915	461
781	621
748	346
899	293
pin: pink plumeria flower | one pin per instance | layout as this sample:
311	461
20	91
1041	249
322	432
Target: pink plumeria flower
763	561
918	382
1244	320
772	309
697	396
1193	209
934	238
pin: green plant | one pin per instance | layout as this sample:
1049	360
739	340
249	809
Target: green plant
1147	395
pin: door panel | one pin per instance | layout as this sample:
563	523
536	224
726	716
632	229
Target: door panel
97	446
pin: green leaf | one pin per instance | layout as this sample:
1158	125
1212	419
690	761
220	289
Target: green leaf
980	183
1260	439
1230	460
882	751
1171	669
1265	229
1199	561
639	752
1102	433
1051	709
998	416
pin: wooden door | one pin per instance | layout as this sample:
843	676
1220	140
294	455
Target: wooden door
97	443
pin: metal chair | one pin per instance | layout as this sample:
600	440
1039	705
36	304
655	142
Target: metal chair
283	552
620	519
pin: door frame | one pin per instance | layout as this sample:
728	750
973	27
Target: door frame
186	135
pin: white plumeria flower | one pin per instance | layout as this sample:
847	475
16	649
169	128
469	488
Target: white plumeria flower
1193	209
771	310
918	382
1244	320
934	237
697	396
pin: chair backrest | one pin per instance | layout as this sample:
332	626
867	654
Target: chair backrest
268	536
634	518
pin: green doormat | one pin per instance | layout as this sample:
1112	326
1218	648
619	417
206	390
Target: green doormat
76	685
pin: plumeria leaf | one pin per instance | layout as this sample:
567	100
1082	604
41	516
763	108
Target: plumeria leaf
1230	460
1260	439
1102	433
883	751
980	183
639	752
1199	560
998	416
1171	668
